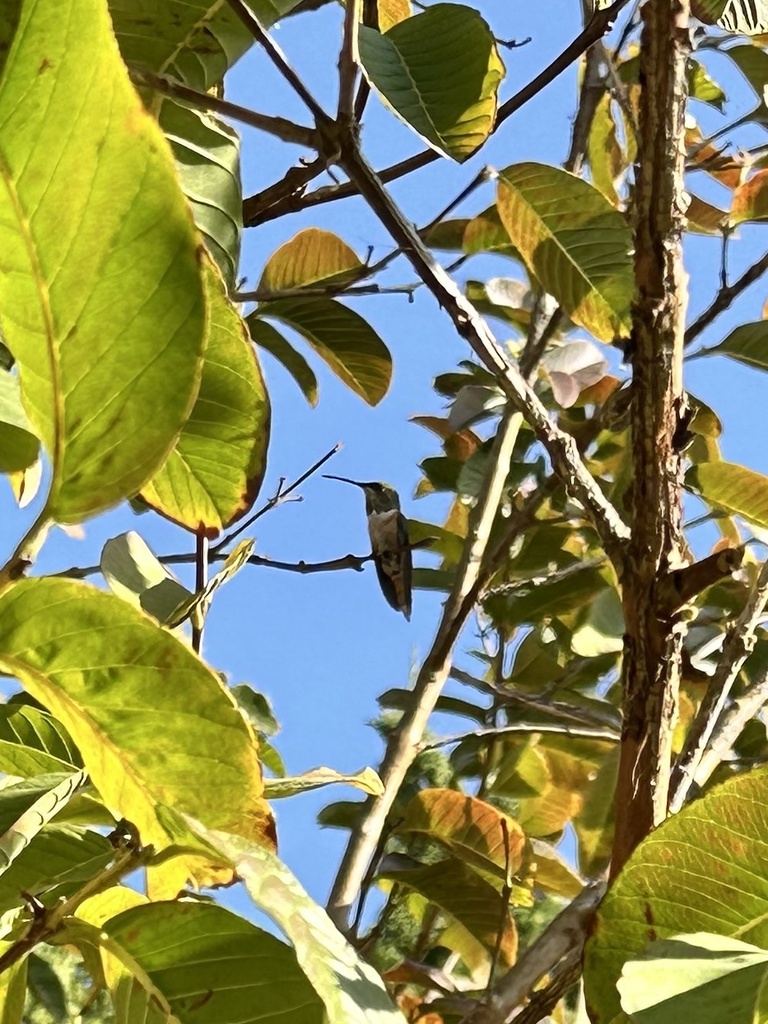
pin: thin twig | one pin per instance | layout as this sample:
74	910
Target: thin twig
725	297
739	644
281	127
563	937
730	727
402	747
483	175
348	62
278	58
201	581
562	728
280	495
326	291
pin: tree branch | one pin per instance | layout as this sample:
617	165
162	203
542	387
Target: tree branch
564	936
601	22
278	126
559	728
725	297
654	633
348	62
403	744
560	446
278	58
739	644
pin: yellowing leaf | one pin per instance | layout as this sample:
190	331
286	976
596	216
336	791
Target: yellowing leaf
470	828
733	488
574	243
153	724
92	223
213	475
311	256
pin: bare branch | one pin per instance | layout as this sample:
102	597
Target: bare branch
598	25
739	644
404	742
565	936
730	727
326	291
725	297
280	495
278	126
279	59
348	62
472	326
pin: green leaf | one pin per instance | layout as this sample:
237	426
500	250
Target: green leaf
352	992
197	606
271	340
606	159
702	87
213	475
196	41
256	708
574	243
153	724
340	336
53	792
207	154
503	298
56	864
93	221
210	965
546	597
747	343
747	17
18	445
32	742
367	780
135	574
701	977
310	257
13	985
752	61
474	903
695	872
733	488
440	72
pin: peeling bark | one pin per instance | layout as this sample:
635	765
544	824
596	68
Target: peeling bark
654	632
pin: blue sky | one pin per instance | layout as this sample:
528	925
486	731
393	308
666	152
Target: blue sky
323	647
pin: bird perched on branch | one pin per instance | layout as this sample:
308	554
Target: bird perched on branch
390	544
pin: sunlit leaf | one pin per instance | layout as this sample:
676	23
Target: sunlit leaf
474	831
32	742
213	475
352	992
135	574
574	242
209	965
93	220
439	71
153	724
733	488
702	977
310	257
367	780
701	86
340	336
695	872
571	368
17	835
606	160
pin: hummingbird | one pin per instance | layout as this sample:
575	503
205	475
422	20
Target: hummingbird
388	530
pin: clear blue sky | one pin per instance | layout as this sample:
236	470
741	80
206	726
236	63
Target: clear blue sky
323	647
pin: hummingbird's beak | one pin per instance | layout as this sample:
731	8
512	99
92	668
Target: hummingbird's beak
344	479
